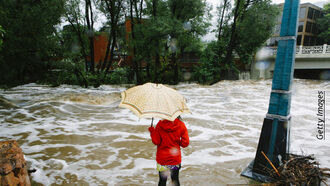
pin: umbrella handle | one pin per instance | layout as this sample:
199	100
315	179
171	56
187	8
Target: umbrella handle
152	120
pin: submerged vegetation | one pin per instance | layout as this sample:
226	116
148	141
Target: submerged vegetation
52	41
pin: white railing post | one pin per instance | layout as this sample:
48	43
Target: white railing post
324	49
300	49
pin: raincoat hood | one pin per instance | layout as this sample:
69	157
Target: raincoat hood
169	126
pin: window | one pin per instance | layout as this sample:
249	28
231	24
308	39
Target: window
299	40
302	13
307	40
312	41
308	27
310	13
301	26
319	41
314	28
317	14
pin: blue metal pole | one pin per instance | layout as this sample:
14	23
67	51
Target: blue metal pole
274	139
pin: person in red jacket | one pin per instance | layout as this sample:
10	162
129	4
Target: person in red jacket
169	136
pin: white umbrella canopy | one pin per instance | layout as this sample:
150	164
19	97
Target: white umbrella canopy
154	100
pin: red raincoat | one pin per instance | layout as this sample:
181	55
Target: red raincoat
169	136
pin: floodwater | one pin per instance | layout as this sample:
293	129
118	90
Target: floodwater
78	136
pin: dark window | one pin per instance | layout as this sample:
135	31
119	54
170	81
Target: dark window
319	41
308	27
314	29
301	26
299	40
312	41
307	41
317	14
310	13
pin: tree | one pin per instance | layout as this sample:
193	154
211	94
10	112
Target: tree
90	32
323	25
255	29
183	12
233	35
29	43
172	28
247	14
71	55
73	15
113	11
252	24
136	65
1	36
223	17
208	70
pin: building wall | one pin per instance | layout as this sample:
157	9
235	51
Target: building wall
100	47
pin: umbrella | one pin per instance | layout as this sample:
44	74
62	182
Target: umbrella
154	100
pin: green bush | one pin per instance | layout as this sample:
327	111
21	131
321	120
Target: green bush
208	71
68	72
118	76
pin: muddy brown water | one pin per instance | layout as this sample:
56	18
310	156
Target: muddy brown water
78	136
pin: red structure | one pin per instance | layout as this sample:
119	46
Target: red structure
100	48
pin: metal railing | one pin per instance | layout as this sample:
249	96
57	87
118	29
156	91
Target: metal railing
320	49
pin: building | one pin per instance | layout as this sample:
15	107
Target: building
307	29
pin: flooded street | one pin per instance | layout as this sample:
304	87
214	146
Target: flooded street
78	136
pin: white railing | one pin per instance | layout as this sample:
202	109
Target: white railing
321	49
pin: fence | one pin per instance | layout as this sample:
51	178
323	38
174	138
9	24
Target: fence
321	49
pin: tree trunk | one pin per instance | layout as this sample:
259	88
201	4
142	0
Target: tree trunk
110	10
104	64
221	20
175	67
136	65
112	40
232	41
157	56
111	52
141	7
90	32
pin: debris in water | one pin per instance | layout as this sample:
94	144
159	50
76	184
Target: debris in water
300	170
